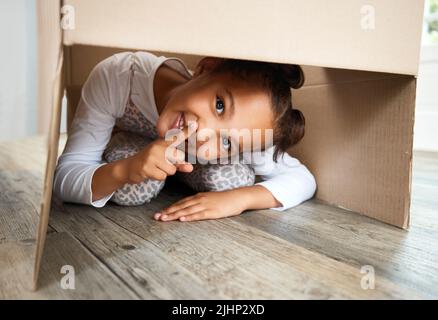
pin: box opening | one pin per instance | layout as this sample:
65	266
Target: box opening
359	131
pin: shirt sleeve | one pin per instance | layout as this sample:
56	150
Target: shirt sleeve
90	132
289	181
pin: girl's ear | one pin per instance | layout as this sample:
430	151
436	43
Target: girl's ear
206	64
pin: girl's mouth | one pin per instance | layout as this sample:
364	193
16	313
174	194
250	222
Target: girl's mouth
179	122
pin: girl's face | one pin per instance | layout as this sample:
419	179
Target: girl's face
218	103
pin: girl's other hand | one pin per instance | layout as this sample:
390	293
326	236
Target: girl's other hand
206	205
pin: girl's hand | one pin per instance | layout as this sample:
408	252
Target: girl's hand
158	160
206	205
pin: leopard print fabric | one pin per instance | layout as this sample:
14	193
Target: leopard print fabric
134	121
125	144
133	131
218	177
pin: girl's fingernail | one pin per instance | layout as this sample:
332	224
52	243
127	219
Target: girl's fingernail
157	215
164	216
182	218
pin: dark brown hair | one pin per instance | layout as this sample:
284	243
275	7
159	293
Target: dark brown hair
278	79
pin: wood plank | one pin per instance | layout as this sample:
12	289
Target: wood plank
424	210
243	262
409	258
312	251
92	279
151	273
24	154
19	196
22	164
20	185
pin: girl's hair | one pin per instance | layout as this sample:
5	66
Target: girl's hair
278	79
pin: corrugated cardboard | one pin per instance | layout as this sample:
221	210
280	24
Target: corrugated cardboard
358	141
50	90
359	128
337	34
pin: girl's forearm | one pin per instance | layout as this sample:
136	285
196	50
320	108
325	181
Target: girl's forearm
258	197
108	178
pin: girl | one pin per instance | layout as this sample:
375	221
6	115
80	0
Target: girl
117	148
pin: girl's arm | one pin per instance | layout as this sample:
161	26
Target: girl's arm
290	182
108	178
88	136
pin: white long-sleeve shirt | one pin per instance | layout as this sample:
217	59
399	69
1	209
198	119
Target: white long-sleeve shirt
103	100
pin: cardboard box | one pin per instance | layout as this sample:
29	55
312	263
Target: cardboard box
360	60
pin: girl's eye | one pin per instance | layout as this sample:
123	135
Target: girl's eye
226	143
220	106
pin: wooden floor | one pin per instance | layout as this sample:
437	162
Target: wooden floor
312	251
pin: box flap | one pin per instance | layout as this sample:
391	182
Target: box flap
50	91
379	36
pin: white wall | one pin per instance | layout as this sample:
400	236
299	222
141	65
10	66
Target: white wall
18	68
426	112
